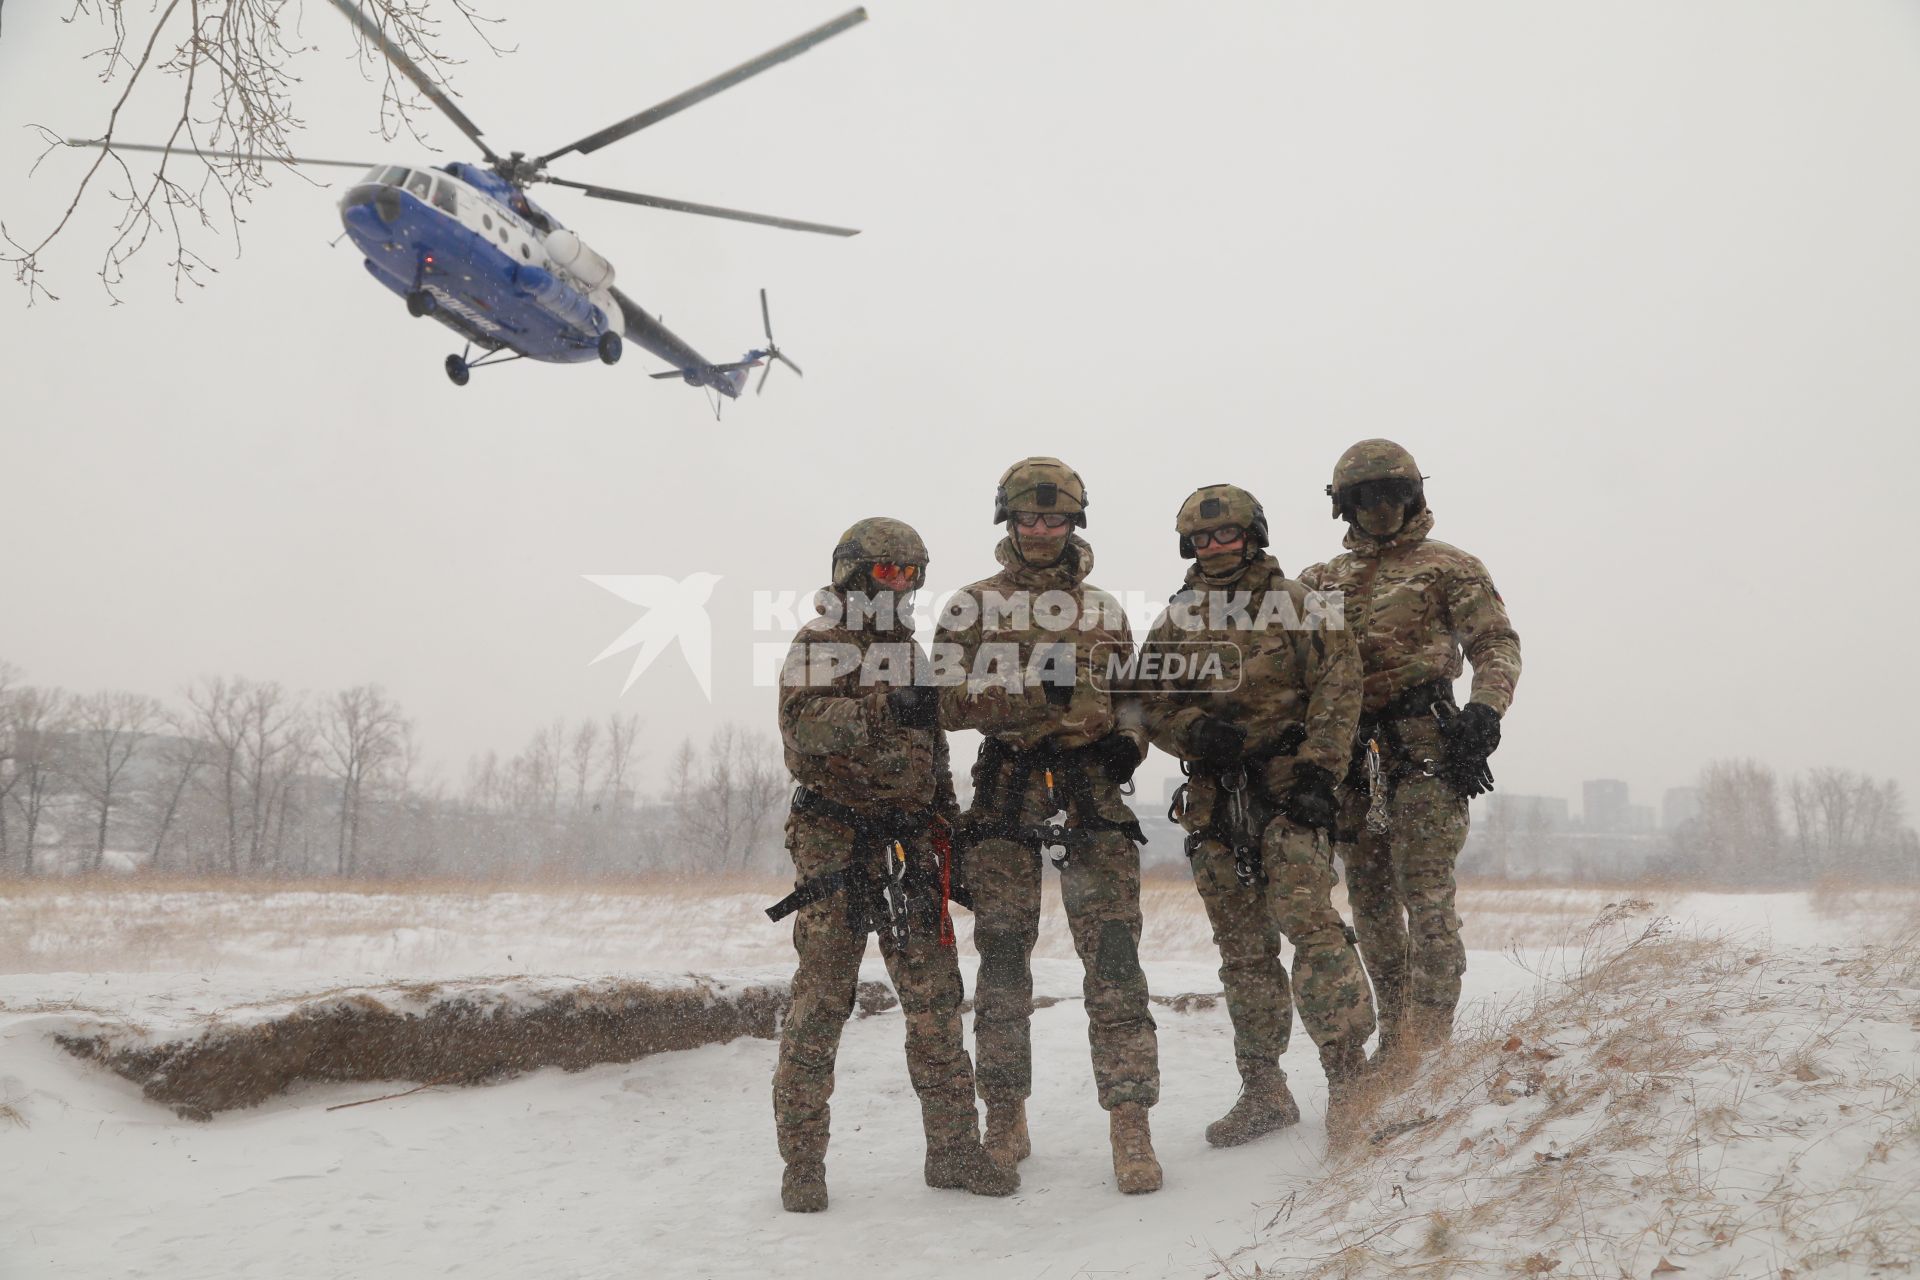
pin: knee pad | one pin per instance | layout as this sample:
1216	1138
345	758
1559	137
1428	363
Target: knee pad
1003	961
1117	959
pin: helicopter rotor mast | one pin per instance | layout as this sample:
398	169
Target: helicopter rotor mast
520	170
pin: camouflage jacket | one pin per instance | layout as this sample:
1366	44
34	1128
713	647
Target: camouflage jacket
840	738
1277	676
1024	719
1416	605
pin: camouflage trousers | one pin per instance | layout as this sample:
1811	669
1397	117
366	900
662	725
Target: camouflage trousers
925	974
1401	887
1100	889
1329	985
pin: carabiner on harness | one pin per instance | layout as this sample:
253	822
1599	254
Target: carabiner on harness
1378	819
1247	866
897	914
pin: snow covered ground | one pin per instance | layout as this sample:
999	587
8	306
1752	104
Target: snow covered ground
666	1166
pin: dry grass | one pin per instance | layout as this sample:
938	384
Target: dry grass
1659	1097
688	886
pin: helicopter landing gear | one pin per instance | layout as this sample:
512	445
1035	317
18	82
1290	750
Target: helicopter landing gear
610	347
420	303
460	368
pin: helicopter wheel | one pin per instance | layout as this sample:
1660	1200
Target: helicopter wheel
420	303
457	371
610	347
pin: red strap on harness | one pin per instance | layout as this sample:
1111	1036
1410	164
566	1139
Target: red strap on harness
943	849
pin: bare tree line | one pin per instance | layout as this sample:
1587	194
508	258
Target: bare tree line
1748	828
1824	822
247	778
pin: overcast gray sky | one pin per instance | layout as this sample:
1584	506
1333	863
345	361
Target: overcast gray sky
1638	283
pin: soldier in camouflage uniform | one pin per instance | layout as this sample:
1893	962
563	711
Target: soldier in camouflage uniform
1416	606
1264	731
875	795
1052	743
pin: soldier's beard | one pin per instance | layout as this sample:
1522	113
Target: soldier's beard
1037	549
1382	520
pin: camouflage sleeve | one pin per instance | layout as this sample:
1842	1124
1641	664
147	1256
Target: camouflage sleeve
967	702
1129	712
820	718
944	800
1335	675
1310	577
1480	627
1166	720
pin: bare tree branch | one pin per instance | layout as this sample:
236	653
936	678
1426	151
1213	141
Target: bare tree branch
233	60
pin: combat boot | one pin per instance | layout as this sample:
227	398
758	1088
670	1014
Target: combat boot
1265	1104
966	1166
1396	1056
803	1187
1136	1170
1429	1027
1388	1048
1349	1100
1006	1139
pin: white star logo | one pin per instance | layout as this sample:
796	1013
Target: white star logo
674	611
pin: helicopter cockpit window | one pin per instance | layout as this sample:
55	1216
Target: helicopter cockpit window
444	197
420	184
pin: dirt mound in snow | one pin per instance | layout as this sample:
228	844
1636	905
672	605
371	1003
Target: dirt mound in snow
435	1034
1665	1105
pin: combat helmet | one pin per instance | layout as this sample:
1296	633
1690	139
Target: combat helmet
1043	485
1217	504
876	540
1375	460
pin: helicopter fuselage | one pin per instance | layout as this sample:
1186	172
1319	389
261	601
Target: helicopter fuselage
470	250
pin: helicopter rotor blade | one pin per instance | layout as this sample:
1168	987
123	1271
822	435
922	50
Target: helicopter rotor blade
706	210
216	155
766	318
765	369
701	92
782	358
407	67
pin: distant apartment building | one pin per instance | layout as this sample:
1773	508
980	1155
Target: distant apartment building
1520	836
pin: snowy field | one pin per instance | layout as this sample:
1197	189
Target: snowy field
1762	1121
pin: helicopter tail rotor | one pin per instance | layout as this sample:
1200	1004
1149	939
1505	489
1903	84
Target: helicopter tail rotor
772	351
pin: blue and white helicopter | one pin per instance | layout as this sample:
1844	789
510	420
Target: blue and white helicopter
463	243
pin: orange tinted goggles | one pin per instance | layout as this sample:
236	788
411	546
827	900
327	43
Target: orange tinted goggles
896	576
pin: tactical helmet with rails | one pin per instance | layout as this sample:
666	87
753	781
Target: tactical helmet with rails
1213	505
876	540
1045	485
1372	468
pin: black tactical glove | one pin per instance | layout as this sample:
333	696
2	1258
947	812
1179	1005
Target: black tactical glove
1216	743
1118	757
1475	730
1310	802
1471	735
915	705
